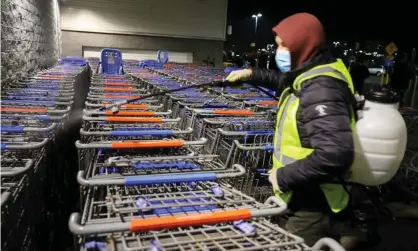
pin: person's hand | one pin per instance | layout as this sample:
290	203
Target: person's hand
240	75
273	180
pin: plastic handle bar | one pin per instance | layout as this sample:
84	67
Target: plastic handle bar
18	129
132	106
168	178
259	132
178	165
29	102
121	96
269	148
17	109
110	89
164	222
273	102
134	119
128	113
44	117
142	133
148	144
3	146
257	98
233	112
116	84
215	106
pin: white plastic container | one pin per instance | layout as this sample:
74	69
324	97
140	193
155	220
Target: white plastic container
380	140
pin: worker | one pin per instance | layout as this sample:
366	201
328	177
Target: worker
313	138
402	74
359	73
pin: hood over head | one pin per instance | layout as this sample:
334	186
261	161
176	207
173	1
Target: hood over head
303	34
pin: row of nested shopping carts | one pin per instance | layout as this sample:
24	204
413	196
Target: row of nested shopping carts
33	172
183	171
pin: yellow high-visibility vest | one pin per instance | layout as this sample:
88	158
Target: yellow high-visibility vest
287	145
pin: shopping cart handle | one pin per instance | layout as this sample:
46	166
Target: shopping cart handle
168	222
259	132
168	178
130	113
115	89
134	119
233	112
215	106
116	84
269	147
26	110
327	242
142	133
159	223
44	117
15	129
27	146
148	144
266	147
272	102
17	170
28	102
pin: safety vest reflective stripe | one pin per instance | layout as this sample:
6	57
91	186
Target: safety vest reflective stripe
284	159
318	71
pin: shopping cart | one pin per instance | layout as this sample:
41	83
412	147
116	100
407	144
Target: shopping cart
179	107
140	172
195	117
256	158
115	208
231	128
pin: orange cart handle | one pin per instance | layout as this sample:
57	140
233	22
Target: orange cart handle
134	119
268	102
165	222
128	113
116	84
233	112
121	96
16	109
115	89
148	144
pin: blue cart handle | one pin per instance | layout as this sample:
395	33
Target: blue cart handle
137	132
142	133
28	102
235	171
168	178
15	129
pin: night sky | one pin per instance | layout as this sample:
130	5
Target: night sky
349	21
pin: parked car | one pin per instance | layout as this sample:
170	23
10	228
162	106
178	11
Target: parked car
377	70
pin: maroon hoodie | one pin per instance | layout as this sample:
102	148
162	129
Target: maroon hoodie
303	34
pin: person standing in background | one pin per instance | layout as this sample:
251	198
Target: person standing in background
402	74
359	73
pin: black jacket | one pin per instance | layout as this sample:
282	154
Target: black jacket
329	135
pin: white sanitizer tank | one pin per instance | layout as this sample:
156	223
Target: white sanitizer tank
380	139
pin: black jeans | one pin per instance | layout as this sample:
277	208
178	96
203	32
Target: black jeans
312	226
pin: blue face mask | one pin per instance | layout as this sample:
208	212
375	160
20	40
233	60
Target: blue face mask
283	60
